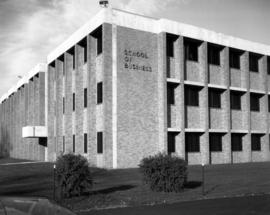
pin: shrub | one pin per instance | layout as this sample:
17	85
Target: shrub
164	172
73	175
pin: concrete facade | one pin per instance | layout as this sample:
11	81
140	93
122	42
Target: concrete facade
146	76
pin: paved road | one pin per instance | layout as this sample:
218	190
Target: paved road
258	205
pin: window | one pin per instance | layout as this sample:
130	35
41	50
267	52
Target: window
236	142
268	103
73	106
72	53
85	143
253	62
191	50
171	143
85	97
254	102
64	144
83	44
235	101
268	65
52	64
215	142
62	59
235	58
97	34
170	41
255	142
63	105
214	54
99	142
191	96
73	143
170	95
214	99
192	142
99	93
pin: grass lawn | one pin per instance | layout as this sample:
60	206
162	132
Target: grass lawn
114	188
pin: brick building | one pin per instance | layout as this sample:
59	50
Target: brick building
125	86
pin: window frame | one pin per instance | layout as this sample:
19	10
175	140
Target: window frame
192	142
235	105
192	96
100	142
85	143
254	62
73	143
236	146
254	102
191	50
214	102
100	92
235	59
215	142
85	97
73	102
213	54
255	142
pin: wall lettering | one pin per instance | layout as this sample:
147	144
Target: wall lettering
130	56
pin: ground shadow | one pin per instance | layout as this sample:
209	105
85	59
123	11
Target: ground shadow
111	189
192	184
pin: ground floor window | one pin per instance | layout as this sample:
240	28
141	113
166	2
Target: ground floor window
99	142
215	141
73	143
255	142
192	142
236	142
171	143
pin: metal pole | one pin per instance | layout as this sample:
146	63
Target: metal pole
203	179
54	166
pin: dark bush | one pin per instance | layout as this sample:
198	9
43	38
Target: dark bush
73	175
164	172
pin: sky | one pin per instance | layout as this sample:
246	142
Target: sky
31	29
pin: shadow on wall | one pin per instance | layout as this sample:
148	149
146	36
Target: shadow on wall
5	146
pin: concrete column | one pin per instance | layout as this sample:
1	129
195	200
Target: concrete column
205	153
226	145
162	93
180	140
91	100
79	98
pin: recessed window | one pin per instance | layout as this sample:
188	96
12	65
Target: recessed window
268	65
171	143
170	95
268	103
254	102
73	143
64	144
170	41
254	62
99	142
63	105
192	142
72	53
85	143
215	142
214	54
85	97
83	44
99	93
236	142
214	98
97	34
255	142
192	96
191	49
52	64
235	58
235	100
73	103
62	59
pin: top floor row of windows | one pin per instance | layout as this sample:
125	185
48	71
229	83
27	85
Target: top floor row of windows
214	53
97	35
